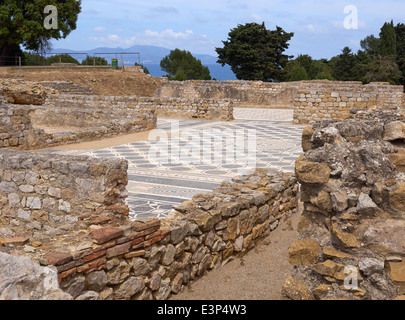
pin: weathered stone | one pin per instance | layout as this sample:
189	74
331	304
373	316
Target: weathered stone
398	159
330	252
370	265
96	280
394	131
340	200
168	256
304	252
307	133
177	283
397	272
164	290
21	279
348	240
366	205
323	200
104	235
296	289
311	172
397	198
140	266
129	288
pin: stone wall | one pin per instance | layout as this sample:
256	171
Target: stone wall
251	93
66	87
318	100
352	228
23	127
205	109
44	195
102	257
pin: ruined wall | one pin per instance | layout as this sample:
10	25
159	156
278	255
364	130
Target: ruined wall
318	100
352	228
44	195
22	127
205	109
99	257
244	92
66	87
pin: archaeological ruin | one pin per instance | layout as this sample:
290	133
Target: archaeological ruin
65	218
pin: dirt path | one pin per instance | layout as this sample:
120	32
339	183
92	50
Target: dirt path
259	275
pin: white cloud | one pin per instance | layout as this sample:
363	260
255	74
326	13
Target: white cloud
99	29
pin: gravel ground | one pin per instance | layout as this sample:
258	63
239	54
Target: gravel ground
259	275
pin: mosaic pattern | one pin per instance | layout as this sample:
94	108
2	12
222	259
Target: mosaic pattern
155	186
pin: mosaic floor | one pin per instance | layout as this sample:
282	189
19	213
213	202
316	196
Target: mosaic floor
195	156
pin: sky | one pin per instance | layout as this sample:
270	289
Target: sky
321	28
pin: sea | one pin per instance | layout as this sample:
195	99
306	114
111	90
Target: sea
217	71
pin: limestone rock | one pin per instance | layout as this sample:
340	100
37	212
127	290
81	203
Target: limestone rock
311	172
304	252
23	92
397	198
371	265
348	240
365	204
307	133
398	159
296	289
397	272
22	279
394	131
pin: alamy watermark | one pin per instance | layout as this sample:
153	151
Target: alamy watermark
51	21
352	20
204	147
351	281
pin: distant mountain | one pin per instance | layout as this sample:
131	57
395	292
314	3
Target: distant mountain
150	56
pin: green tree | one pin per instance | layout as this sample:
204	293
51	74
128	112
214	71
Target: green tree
63	58
388	42
182	65
344	66
400	37
22	23
298	73
255	53
99	61
382	69
371	45
34	59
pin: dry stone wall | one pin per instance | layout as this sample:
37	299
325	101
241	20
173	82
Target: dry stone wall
352	228
243	92
43	195
205	109
319	100
102	256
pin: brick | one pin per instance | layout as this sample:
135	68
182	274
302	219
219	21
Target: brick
97	263
122	210
57	258
118	250
134	254
103	235
101	220
15	241
151	230
137	241
99	247
140	226
94	256
152	235
66	274
69	265
135	235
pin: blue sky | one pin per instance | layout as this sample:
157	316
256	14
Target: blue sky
200	26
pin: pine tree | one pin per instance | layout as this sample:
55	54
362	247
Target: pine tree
388	42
